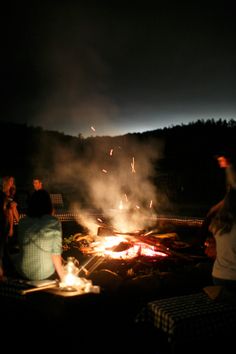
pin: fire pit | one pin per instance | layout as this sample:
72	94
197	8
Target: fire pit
122	257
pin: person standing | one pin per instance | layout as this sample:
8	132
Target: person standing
37	183
10	204
3	233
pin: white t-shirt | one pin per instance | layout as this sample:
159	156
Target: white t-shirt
231	177
225	263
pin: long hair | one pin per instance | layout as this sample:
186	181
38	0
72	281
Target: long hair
40	204
7	183
226	216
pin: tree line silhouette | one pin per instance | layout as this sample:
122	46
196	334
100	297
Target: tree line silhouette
184	167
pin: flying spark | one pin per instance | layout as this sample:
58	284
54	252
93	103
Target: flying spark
132	166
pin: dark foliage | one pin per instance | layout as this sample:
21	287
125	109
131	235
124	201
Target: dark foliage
186	170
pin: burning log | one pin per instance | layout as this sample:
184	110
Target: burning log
141	252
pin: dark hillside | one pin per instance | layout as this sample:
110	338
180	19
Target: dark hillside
178	161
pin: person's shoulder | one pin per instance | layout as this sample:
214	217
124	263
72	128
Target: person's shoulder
51	219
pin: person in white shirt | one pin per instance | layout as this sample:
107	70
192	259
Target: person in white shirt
226	160
223	228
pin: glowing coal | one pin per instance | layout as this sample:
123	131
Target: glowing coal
120	247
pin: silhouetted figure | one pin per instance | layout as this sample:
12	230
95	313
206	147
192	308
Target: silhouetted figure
3	233
37	183
10	204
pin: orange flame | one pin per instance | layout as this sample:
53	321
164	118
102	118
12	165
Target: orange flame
105	245
138	249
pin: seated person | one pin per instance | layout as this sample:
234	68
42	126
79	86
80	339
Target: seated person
40	241
226	161
223	228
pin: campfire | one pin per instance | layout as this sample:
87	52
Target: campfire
156	243
120	247
110	246
113	257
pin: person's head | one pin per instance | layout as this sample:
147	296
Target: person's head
37	183
40	204
7	183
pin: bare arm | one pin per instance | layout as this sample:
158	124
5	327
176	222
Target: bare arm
57	261
15	211
215	208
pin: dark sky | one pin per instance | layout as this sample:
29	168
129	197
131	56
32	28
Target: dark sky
117	66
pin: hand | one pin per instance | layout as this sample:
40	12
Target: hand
210	247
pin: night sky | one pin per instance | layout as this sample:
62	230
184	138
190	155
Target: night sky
119	67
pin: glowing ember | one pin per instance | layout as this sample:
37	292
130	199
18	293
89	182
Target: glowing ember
138	249
106	243
105	247
132	166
